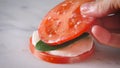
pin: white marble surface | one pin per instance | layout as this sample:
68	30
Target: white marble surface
19	18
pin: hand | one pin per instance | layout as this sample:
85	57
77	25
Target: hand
107	26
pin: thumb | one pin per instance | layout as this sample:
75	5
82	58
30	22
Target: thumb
105	37
100	8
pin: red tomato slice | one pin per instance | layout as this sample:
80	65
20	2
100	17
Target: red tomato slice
64	23
59	59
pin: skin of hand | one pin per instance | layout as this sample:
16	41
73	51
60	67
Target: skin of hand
106	29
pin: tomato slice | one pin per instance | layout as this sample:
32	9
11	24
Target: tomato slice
59	59
64	23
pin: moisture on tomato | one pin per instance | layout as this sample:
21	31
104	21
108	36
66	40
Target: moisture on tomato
64	23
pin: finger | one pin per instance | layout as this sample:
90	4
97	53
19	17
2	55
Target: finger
100	8
105	37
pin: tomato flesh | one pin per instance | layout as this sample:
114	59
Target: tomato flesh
59	59
63	23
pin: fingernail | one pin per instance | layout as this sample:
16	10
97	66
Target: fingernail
86	8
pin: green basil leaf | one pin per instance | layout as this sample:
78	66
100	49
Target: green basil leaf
45	47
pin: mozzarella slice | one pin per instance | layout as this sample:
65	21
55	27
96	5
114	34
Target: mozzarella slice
35	38
77	48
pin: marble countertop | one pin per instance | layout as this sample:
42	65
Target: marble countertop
19	18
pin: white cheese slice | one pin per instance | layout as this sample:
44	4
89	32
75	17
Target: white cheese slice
75	49
35	38
79	47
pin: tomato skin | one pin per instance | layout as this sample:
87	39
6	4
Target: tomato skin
59	59
64	23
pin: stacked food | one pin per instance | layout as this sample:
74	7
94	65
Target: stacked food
62	35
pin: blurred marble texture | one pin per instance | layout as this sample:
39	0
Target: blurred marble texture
19	18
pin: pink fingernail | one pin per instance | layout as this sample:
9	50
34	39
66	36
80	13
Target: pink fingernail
86	8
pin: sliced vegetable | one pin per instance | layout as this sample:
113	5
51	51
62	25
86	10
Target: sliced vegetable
64	23
45	47
59	59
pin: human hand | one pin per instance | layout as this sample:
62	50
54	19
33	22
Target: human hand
106	29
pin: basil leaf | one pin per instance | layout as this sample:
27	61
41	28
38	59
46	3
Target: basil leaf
45	47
